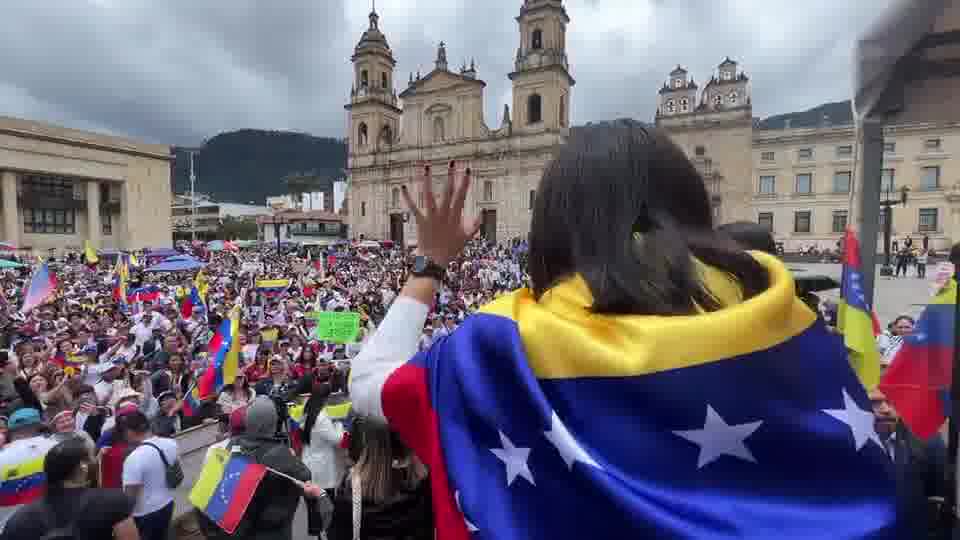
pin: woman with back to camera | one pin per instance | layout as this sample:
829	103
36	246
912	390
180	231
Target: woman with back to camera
656	381
91	514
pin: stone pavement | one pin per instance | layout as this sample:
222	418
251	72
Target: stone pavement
894	296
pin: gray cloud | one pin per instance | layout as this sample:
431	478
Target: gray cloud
178	71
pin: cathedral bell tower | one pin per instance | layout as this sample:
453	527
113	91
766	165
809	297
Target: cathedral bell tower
541	76
374	115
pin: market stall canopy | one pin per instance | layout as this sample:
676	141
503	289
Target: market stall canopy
162	252
180	263
7	246
884	54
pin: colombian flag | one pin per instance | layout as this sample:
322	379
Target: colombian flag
919	378
855	320
42	286
22	479
226	485
537	412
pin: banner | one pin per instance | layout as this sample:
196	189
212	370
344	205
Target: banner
336	326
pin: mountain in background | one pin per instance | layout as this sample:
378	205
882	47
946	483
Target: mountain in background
248	165
837	114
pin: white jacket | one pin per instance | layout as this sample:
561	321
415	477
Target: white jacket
323	455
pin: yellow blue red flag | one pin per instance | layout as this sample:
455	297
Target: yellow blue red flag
539	418
855	318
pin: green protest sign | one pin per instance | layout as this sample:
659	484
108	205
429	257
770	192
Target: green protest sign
336	326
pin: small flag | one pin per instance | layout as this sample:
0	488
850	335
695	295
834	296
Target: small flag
89	254
918	380
190	302
855	321
43	286
226	485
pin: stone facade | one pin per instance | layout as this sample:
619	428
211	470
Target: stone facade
798	181
61	187
439	117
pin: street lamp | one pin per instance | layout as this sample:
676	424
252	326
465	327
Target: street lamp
887	205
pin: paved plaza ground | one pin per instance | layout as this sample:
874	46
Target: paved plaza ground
894	296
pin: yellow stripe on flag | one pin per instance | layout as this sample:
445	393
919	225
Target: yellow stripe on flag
338	411
22	470
857	329
210	477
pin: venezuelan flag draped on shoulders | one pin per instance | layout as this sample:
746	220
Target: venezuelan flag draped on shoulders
918	380
855	318
542	420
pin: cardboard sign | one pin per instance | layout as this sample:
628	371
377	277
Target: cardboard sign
336	326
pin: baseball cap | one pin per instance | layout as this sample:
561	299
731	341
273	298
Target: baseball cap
25	417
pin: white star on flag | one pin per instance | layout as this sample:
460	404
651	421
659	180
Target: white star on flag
860	422
570	450
717	438
470	526
515	459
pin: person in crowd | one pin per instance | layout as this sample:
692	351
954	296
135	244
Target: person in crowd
321	440
394	494
145	476
270	513
69	504
28	439
167	421
626	273
919	466
890	342
235	396
922	263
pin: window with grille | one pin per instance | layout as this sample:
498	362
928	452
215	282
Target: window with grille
106	223
767	156
49	221
839	221
768	185
928	220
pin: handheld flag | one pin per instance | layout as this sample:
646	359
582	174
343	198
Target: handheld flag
918	380
22	479
42	286
202	285
855	321
192	401
226	485
215	376
190	302
521	413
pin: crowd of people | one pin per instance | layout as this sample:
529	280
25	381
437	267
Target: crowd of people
581	360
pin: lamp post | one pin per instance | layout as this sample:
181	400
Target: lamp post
887	205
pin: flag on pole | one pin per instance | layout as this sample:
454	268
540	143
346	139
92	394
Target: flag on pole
90	256
42	286
219	371
918	380
854	317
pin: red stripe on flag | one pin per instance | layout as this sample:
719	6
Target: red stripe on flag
23	497
242	495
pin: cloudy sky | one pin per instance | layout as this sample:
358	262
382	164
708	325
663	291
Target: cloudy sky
180	71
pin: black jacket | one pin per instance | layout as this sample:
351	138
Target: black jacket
407	515
270	514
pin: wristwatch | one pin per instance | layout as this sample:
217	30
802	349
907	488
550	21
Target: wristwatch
425	267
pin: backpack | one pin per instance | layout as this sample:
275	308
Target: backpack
173	472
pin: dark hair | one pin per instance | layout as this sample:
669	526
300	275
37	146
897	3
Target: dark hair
901	318
62	460
624	208
316	403
750	235
135	422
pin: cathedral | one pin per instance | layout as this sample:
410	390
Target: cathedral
438	117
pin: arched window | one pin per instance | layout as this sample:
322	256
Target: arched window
383	81
534	109
395	198
386	135
362	134
536	40
438	135
364	79
563	111
684	104
671	106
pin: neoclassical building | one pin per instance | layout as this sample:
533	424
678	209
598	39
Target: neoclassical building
438	117
62	187
796	178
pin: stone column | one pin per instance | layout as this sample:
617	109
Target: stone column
11	214
93	213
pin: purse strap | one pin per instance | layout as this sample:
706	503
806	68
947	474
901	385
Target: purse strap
357	503
163	457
